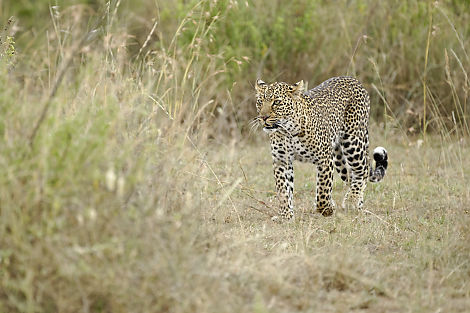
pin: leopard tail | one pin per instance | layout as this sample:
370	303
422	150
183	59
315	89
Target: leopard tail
381	163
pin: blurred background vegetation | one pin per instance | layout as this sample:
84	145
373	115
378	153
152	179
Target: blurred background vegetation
106	106
411	55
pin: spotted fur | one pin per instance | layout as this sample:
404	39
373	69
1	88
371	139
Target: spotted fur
328	126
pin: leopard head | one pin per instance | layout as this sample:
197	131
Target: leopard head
275	104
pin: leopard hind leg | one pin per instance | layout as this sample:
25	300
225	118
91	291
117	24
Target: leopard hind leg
355	151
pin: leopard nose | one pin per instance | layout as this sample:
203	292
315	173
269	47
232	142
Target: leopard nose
265	117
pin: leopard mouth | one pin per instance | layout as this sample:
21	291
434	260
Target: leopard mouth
270	128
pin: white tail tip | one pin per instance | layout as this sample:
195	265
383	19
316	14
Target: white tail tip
380	151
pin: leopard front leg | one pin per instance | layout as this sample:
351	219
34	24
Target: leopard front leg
284	176
325	203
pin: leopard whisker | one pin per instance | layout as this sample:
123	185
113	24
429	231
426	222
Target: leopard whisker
255	120
254	124
252	128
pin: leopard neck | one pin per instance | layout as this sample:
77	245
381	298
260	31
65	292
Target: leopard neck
300	105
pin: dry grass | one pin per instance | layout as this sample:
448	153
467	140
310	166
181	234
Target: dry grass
129	184
188	239
406	252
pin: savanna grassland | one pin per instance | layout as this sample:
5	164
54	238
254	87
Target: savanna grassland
130	180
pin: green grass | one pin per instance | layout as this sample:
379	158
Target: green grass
413	56
129	181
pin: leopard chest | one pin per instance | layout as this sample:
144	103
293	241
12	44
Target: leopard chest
305	149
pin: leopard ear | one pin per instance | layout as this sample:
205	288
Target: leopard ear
260	85
298	87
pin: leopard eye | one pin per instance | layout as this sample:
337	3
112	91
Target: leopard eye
276	102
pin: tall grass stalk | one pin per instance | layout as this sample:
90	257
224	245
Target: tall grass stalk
428	42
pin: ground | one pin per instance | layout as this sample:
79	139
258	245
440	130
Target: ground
406	251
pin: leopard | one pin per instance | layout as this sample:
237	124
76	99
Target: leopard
327	126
